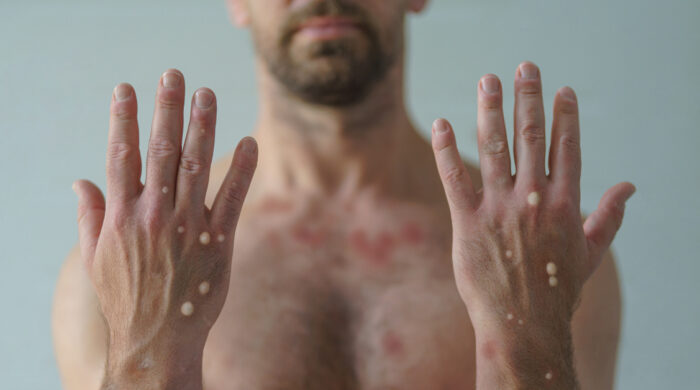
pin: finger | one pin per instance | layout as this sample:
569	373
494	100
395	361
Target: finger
195	161
494	155
602	225
166	137
529	139
565	152
123	156
91	212
455	178
229	200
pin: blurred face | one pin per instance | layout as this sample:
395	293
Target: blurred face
329	52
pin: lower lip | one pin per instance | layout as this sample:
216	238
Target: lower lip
328	31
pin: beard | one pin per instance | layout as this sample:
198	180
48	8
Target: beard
333	72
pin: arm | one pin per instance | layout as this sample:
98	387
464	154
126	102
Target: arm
596	328
80	334
520	253
158	258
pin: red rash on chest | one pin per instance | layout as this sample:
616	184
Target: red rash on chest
309	237
392	344
412	233
272	205
377	250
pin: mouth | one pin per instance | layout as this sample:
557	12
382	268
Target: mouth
328	27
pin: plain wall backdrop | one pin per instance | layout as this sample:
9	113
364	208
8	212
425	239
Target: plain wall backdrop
634	65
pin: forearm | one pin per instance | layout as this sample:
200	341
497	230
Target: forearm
523	359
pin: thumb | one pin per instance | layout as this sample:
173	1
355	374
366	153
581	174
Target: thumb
91	212
602	225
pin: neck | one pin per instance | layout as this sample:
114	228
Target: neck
340	151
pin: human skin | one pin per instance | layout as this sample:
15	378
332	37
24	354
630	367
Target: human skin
532	216
337	166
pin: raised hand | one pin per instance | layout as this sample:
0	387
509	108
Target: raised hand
520	252
158	258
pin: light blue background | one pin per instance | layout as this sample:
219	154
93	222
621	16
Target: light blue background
634	65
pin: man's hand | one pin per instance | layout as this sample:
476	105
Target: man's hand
520	252
159	259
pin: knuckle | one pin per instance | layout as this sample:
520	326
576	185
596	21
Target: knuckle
530	89
169	101
495	148
565	205
193	164
233	196
119	218
531	132
491	103
159	147
121	113
453	175
570	143
121	151
153	220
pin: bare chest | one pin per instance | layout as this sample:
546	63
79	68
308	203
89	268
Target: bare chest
314	305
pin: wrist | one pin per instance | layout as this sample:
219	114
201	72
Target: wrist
162	364
524	356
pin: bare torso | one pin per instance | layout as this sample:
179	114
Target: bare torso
341	296
334	294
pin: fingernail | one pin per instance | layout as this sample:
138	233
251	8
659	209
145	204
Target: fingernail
568	93
629	195
528	71
122	92
440	126
203	98
249	147
489	84
171	80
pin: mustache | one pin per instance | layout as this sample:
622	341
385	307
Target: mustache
327	8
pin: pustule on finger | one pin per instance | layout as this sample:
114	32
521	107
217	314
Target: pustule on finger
548	376
204	238
510	316
165	190
203	288
180	229
220	237
553	281
533	198
509	254
551	269
187	309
